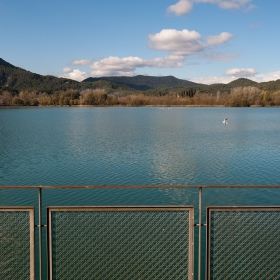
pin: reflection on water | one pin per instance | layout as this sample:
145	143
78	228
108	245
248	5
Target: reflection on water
139	146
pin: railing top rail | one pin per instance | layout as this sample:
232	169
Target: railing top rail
147	187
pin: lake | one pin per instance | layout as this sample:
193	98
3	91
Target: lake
139	146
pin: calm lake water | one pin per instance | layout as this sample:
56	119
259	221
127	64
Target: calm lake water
140	146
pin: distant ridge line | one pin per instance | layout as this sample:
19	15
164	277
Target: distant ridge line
141	82
16	79
5	63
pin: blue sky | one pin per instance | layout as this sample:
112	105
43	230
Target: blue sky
205	41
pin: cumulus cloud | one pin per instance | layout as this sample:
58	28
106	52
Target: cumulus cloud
229	76
186	43
182	7
241	72
126	66
266	77
219	39
76	75
67	70
179	42
226	78
209	80
80	62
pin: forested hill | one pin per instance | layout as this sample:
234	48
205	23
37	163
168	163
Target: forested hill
15	79
141	82
242	82
5	63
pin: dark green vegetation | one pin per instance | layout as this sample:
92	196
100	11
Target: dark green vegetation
21	87
141	82
16	79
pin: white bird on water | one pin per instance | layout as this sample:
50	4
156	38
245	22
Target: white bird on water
225	121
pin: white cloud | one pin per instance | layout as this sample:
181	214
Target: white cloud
229	76
177	42
126	66
80	62
266	77
67	70
187	43
219	39
182	7
241	72
209	80
76	75
235	73
227	4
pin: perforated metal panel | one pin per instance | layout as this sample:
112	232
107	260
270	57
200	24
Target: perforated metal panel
16	243
120	243
243	243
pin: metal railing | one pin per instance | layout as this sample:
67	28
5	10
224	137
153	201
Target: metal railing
242	240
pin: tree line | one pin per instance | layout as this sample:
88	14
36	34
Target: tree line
235	97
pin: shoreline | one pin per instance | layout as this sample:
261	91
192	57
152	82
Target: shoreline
148	106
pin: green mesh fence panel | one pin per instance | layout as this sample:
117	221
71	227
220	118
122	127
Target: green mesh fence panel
16	256
244	243
121	243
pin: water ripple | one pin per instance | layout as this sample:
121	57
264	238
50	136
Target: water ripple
139	146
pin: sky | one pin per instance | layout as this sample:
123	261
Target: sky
204	41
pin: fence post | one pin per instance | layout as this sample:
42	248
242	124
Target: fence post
40	230
199	233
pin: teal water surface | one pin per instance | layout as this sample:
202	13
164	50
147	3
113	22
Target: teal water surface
140	146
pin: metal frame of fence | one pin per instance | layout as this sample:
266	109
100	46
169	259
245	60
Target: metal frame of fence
232	232
116	230
199	224
16	247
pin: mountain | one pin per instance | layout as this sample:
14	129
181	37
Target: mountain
15	79
5	63
241	82
214	88
141	82
270	86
